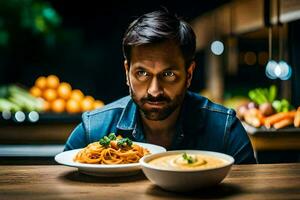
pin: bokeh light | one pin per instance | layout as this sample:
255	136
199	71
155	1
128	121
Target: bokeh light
217	47
279	70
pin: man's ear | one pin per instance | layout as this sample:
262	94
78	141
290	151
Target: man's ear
126	66
190	72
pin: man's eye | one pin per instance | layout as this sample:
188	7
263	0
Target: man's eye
142	73
168	74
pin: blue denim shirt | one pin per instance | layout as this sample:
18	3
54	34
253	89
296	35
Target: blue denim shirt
202	125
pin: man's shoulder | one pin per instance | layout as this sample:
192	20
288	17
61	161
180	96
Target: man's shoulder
198	102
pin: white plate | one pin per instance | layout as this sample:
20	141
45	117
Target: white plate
66	158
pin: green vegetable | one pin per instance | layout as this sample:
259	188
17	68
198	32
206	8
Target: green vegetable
189	159
282	106
124	141
6	105
277	105
15	98
105	141
22	96
263	95
272	93
112	136
285	105
257	97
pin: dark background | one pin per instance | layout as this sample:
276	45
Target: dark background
86	49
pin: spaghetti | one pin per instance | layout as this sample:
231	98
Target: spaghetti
113	151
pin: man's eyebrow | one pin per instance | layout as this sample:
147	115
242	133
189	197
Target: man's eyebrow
142	67
173	67
139	67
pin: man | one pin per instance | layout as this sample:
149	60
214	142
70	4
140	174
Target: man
159	62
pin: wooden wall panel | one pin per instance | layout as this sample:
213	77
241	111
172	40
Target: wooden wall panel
237	17
248	15
289	11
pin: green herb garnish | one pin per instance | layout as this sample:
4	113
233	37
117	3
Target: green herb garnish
124	141
189	159
112	136
105	141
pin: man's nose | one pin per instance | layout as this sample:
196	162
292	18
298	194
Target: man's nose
155	88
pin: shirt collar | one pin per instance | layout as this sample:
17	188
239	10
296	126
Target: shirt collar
128	117
129	122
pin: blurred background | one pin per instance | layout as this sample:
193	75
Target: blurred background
81	43
59	59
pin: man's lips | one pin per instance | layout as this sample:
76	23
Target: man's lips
155	103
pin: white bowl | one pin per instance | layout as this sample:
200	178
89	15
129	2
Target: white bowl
185	180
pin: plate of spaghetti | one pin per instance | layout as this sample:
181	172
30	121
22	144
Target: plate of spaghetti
110	156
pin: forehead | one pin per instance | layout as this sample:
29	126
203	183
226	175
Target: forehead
167	53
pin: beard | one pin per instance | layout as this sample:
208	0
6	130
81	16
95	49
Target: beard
157	114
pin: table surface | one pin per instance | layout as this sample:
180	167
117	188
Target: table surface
262	181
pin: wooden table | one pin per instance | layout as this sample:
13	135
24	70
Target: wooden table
276	181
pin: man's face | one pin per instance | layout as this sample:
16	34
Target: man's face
158	79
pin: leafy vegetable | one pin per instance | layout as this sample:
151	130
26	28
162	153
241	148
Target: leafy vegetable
189	159
263	95
15	98
272	93
281	105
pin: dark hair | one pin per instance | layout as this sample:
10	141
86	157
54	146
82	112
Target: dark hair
160	26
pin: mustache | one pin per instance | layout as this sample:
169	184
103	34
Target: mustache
150	98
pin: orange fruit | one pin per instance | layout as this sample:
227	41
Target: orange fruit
87	103
41	82
89	98
64	90
58	105
77	95
52	81
46	106
98	104
35	91
73	106
49	94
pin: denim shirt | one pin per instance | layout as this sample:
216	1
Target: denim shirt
202	125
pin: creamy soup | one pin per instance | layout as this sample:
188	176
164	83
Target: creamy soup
187	162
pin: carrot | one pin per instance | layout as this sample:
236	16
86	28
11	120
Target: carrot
254	117
252	120
271	120
297	118
283	123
